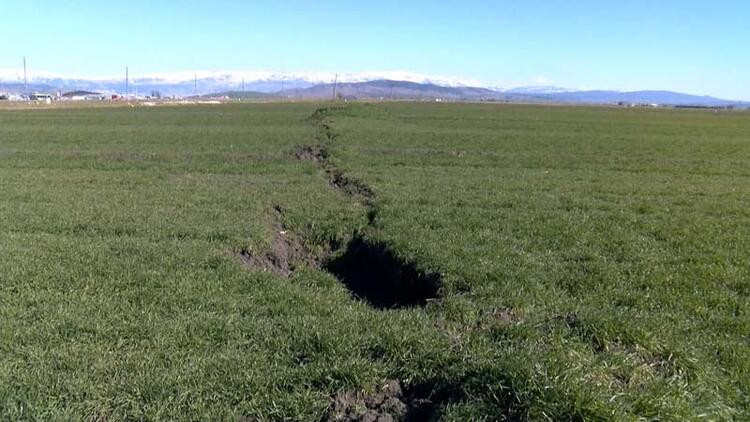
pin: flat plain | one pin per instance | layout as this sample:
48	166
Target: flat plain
408	260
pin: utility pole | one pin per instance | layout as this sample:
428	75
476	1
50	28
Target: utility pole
243	84
25	82
335	82
195	84
127	79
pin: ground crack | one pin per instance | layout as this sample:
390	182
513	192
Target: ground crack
320	119
336	178
320	155
370	269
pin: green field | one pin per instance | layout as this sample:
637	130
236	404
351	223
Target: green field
302	262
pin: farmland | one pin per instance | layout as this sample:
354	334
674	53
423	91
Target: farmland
301	262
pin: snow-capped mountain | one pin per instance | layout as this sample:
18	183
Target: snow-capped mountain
318	85
190	83
542	89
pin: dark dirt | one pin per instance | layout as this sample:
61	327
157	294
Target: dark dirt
348	185
571	320
286	254
312	153
369	269
373	272
336	178
325	133
388	403
508	316
319	155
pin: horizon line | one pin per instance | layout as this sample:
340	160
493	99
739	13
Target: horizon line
16	75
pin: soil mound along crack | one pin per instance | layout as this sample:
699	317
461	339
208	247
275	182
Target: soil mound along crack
287	252
388	403
310	153
373	272
348	185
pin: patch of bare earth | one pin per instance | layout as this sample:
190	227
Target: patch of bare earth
388	403
287	252
310	153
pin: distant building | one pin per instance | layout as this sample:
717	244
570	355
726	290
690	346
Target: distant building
82	96
40	97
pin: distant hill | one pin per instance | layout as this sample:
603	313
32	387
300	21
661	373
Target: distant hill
239	95
397	90
646	97
18	87
535	90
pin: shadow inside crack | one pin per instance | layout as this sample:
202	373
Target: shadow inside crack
373	272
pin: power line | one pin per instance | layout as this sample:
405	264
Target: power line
335	82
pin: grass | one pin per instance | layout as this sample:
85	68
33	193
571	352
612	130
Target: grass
593	261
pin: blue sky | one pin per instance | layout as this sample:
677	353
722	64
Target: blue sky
700	47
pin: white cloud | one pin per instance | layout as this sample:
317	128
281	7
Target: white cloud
542	80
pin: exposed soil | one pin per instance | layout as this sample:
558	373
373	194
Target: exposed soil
287	252
325	133
388	403
507	316
336	178
373	272
369	269
312	153
348	185
319	155
571	320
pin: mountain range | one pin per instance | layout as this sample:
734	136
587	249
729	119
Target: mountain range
393	85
